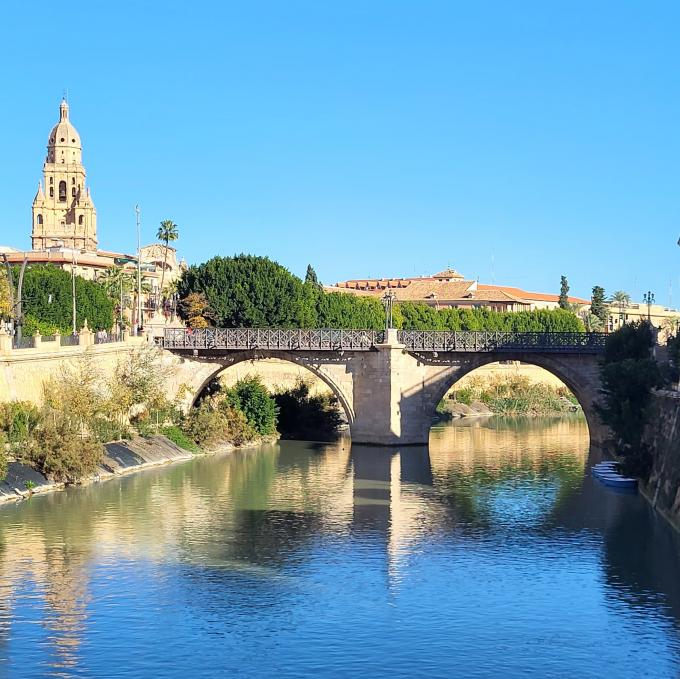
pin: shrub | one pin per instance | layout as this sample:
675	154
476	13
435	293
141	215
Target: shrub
3	456
306	417
179	438
60	452
32	326
251	397
18	419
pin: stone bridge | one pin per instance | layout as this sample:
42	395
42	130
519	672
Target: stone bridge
389	383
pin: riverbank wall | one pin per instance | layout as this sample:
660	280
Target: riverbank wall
663	438
120	457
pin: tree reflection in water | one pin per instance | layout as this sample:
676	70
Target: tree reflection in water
251	524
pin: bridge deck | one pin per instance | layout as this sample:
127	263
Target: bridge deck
242	339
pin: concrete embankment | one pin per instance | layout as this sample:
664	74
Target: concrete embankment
663	438
121	457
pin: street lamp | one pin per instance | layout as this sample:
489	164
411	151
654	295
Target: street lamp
648	298
139	272
388	302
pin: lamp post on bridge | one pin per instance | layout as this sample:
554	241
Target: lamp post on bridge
648	298
388	302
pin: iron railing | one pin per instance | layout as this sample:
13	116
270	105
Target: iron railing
462	341
23	343
269	338
364	340
69	340
106	339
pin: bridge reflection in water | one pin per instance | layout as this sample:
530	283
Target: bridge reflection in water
220	543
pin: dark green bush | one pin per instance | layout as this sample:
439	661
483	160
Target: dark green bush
629	373
252	398
47	297
306	417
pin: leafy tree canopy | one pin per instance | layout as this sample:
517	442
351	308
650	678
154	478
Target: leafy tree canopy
249	291
598	305
47	296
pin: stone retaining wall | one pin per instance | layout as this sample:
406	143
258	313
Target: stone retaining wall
663	437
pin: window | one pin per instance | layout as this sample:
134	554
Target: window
62	191
51	191
51	181
39	219
80	220
73	180
73	192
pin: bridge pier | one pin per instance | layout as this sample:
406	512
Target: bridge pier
390	406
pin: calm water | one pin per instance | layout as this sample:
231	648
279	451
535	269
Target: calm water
493	554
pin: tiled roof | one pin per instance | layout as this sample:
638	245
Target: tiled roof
534	296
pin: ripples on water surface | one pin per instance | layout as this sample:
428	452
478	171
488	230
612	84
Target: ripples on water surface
493	554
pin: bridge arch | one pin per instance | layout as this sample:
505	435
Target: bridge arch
579	373
330	373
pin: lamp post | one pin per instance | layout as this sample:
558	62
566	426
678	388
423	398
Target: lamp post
648	298
388	302
73	289
139	272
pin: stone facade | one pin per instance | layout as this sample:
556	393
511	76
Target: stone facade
663	438
63	211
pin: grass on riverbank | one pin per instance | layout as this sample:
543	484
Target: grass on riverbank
516	395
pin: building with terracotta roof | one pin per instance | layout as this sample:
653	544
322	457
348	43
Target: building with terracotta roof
449	288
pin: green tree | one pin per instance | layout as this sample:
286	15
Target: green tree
629	373
118	284
47	296
246	291
251	397
167	233
564	293
311	277
598	306
621	300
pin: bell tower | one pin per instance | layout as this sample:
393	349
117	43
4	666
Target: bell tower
63	211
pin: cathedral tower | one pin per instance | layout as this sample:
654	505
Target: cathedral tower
63	212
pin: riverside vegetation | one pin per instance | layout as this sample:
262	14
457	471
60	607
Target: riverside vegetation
507	395
81	411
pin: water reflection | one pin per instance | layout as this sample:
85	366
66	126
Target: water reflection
316	537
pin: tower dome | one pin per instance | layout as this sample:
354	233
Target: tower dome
63	145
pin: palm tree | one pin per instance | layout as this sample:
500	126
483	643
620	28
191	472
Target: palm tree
117	282
167	232
622	300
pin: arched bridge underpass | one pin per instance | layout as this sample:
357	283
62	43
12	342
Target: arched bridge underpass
390	383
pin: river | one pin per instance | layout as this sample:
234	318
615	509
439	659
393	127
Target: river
492	554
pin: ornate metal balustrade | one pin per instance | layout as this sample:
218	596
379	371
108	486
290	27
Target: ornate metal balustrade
236	339
550	342
270	338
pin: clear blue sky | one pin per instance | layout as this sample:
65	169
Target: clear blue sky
368	137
